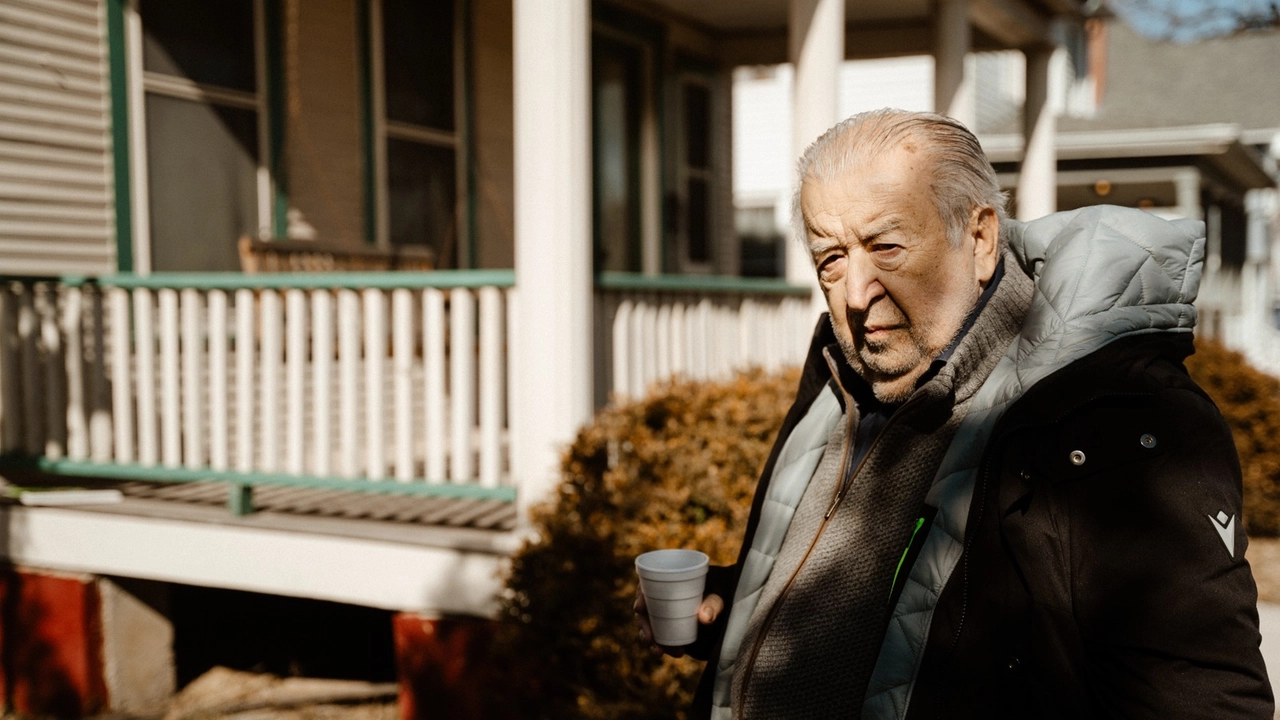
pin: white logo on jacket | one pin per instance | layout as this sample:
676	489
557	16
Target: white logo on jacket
1226	528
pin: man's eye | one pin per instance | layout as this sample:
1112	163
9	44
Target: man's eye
830	268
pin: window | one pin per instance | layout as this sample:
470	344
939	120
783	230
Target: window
761	243
617	76
204	115
694	173
417	114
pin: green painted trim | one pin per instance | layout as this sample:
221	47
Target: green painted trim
117	59
391	280
240	499
276	116
699	284
115	471
364	22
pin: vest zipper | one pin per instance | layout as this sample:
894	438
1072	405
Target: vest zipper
914	531
845	483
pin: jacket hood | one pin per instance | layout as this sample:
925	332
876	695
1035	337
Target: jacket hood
1101	273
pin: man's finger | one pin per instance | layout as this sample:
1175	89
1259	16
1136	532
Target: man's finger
712	606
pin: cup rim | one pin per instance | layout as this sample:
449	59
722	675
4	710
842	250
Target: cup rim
672	562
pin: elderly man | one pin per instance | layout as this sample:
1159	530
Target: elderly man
997	494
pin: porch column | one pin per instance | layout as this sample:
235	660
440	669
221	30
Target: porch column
1186	184
816	47
1038	181
952	83
550	322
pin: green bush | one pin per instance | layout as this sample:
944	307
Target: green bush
1250	402
676	469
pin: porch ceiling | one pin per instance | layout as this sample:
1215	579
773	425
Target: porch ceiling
755	31
761	15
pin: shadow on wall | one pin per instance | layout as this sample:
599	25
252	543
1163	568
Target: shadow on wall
50	645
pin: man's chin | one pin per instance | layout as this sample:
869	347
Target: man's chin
892	391
890	382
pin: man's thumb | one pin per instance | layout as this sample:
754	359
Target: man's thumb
710	609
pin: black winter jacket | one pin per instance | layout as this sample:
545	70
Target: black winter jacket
1103	572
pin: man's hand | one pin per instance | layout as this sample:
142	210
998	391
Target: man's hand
710	609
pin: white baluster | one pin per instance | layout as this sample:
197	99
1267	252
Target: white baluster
245	397
296	327
462	379
170	402
662	341
77	437
99	399
269	364
622	350
193	385
679	340
144	354
702	340
402	380
375	355
321	381
348	383
435	397
491	386
219	388
746	326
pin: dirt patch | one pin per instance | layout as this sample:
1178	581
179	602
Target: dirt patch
224	693
1264	557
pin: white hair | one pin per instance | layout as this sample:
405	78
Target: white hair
962	177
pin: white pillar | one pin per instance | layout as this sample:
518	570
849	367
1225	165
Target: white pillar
1186	185
551	393
816	40
1038	181
953	93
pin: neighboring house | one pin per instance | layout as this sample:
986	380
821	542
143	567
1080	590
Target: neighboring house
1182	130
564	166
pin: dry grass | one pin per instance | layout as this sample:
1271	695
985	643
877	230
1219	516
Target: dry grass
1264	557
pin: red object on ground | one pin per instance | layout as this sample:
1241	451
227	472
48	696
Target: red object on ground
51	644
440	666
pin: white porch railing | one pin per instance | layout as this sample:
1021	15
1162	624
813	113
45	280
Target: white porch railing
312	379
393	382
649	329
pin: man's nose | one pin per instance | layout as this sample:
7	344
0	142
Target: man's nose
861	283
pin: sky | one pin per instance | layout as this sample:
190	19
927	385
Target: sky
1191	20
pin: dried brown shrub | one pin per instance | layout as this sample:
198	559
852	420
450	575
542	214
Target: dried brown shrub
676	469
1250	401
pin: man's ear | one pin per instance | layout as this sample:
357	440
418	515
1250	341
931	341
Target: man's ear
984	228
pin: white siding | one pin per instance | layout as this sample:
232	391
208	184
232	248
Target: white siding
56	190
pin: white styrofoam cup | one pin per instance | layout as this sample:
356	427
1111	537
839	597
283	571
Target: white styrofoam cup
673	582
